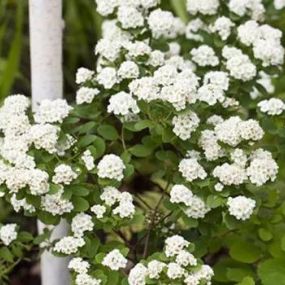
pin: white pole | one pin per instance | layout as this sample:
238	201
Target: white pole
46	27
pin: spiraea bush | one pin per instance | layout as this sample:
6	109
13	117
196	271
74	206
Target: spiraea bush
166	168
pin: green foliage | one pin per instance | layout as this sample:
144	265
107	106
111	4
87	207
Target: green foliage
245	254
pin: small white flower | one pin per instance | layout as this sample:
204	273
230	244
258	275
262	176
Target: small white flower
123	104
115	260
174	244
78	265
63	174
88	159
83	75
52	111
98	210
272	107
241	207
81	223
8	233
69	245
191	169
111	166
86	95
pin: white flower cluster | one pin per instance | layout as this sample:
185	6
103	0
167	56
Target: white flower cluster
68	245
121	203
8	233
185	125
265	41
234	130
194	208
115	260
122	104
63	174
204	56
112	167
191	169
18	168
241	207
239	64
259	168
164	24
180	263
19	204
252	8
81	223
81	267
86	279
88	160
222	26
272	107
279	4
205	7
83	75
262	167
56	204
128	70
86	95
52	111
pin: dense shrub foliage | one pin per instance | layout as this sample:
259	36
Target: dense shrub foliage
166	167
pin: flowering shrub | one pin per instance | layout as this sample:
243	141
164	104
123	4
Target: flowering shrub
162	167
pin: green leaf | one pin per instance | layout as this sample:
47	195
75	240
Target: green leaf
272	272
108	132
9	73
25	237
17	250
91	247
78	190
265	234
180	9
140	150
48	218
245	252
54	188
237	274
86	140
80	204
214	201
100	147
87	127
6	254
129	171
143	124
113	278
99	257
247	281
